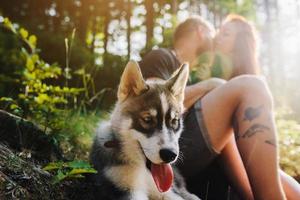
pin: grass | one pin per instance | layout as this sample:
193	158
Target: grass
289	140
77	133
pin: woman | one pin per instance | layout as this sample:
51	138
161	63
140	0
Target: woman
236	41
236	49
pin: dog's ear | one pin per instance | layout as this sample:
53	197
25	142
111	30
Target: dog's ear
177	82
132	82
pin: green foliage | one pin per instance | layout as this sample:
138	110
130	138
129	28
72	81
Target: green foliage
38	99
289	141
11	62
67	170
168	33
50	105
53	48
223	7
203	69
13	106
77	132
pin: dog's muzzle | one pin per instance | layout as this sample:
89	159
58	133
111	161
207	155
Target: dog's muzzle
167	155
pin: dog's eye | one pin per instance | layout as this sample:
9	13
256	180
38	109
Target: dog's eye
147	119
175	123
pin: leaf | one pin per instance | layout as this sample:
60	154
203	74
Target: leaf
73	169
29	64
8	99
76	90
83	171
22	96
14	106
53	165
80	71
8	24
59	177
76	176
36	58
23	33
42	98
78	164
32	41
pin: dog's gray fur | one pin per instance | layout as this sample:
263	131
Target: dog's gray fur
122	172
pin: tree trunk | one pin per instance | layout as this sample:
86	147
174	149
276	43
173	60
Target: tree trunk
174	7
106	34
150	21
128	17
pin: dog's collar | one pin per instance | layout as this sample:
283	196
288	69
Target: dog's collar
114	143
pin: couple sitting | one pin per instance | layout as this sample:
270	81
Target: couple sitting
232	120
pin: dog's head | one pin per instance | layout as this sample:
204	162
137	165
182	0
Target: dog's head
150	112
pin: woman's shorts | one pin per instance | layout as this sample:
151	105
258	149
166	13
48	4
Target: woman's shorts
196	149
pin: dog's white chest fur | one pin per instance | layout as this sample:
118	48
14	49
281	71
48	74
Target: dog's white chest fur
139	181
136	178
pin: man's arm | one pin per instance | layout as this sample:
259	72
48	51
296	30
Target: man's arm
198	90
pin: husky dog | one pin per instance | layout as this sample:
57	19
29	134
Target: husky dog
132	152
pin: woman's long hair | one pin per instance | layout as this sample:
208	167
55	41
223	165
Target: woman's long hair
244	59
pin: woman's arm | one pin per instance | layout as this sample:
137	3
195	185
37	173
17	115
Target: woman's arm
198	90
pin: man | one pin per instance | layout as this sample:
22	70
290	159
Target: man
245	100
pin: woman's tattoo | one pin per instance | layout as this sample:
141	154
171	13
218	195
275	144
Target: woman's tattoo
255	128
252	113
271	142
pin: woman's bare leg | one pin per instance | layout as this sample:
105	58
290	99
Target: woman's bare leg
234	169
247	100
291	186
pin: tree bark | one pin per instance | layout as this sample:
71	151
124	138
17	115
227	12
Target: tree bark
128	18
106	20
150	21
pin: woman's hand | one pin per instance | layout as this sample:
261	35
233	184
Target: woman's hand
212	83
198	90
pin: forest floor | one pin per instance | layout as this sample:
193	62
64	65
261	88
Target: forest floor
23	154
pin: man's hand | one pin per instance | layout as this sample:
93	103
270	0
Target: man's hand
198	90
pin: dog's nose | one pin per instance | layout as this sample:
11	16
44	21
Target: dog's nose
167	155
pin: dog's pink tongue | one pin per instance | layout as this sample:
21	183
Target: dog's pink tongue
162	175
